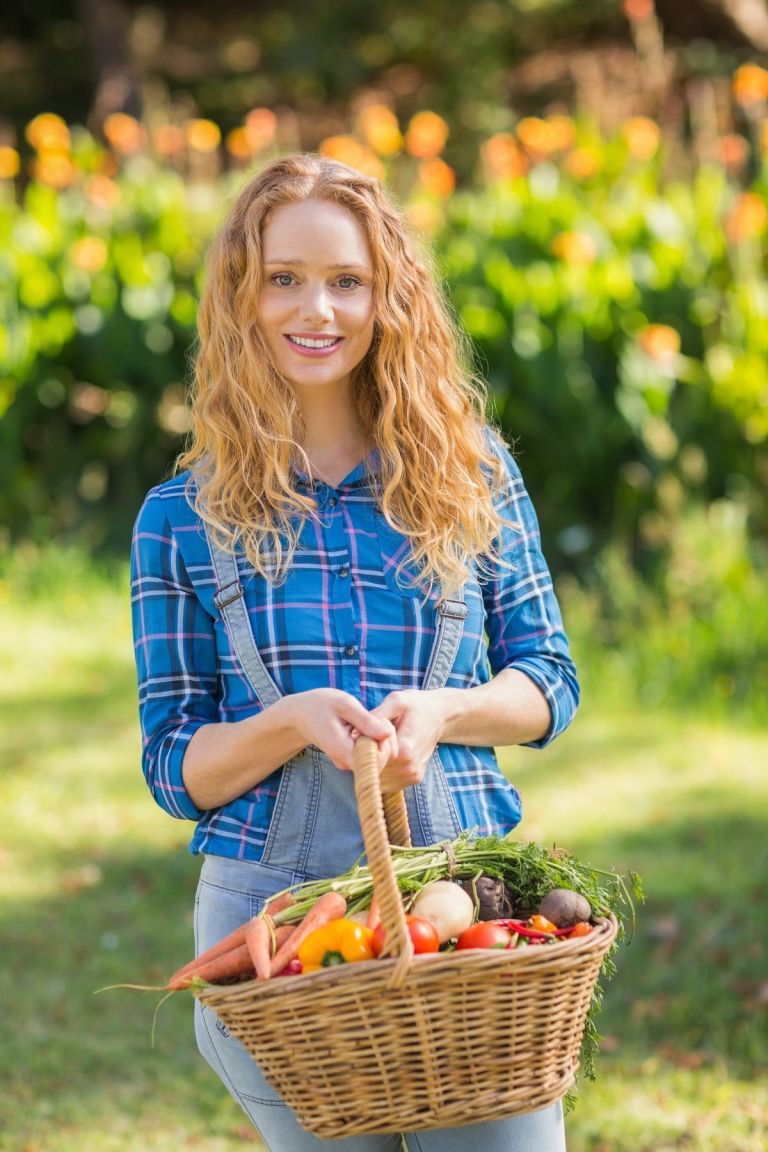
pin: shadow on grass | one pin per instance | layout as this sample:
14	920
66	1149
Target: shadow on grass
691	982
117	919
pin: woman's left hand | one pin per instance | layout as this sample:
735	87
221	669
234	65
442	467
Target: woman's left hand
418	718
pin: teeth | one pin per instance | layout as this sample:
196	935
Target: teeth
308	342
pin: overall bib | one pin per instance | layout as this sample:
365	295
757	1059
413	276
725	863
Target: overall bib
315	833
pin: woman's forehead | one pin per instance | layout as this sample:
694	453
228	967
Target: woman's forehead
293	232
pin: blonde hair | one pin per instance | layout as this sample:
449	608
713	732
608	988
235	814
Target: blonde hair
417	399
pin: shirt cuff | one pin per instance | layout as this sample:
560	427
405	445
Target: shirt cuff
560	690
163	771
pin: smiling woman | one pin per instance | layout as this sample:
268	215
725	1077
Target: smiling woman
351	551
316	316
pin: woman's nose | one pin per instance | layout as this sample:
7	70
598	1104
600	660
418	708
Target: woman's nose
316	303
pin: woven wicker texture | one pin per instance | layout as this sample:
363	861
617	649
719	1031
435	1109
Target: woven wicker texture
415	1042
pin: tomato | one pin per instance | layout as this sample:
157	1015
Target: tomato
484	934
582	928
422	932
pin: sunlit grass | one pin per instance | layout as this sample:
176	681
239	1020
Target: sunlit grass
96	888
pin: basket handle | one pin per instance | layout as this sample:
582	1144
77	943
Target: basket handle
371	805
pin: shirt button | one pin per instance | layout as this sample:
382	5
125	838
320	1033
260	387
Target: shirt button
350	650
344	571
332	501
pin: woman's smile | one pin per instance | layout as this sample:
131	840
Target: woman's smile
316	304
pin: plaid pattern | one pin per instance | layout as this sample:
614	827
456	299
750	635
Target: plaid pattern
343	618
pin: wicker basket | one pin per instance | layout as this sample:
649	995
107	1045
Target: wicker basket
417	1042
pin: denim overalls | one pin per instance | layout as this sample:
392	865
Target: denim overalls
315	832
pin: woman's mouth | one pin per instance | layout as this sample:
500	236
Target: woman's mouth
313	345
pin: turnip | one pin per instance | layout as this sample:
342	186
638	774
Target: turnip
565	908
445	905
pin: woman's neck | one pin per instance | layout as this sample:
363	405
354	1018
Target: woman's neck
333	440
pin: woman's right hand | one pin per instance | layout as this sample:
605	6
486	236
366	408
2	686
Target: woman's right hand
332	720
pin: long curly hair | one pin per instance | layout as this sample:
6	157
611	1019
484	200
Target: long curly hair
417	398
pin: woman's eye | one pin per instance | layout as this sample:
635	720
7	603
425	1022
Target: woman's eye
348	281
282	279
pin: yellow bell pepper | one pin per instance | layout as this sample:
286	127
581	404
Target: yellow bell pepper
338	942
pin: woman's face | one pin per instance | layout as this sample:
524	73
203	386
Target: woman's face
316	305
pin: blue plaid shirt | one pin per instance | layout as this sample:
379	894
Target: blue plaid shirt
341	619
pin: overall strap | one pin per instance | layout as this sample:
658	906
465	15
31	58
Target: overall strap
451	615
230	602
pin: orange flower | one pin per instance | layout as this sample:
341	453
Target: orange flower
575	248
238	145
379	129
563	132
168	140
642	136
538	137
125	134
102	191
426	135
202	135
659	342
582	163
260	128
89	253
10	163
750	84
54	168
638	11
747	219
351	152
734	150
501	158
437	178
48	132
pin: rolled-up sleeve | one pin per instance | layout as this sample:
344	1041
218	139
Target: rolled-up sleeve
524	622
175	651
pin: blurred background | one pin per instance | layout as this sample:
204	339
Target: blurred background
591	176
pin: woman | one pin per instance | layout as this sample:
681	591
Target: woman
349	549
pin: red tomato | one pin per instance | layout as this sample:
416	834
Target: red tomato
484	934
422	932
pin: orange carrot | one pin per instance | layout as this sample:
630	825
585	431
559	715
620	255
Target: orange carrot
330	906
281	934
234	939
279	903
374	914
258	940
220	948
236	962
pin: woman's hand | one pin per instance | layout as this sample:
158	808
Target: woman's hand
418	718
332	720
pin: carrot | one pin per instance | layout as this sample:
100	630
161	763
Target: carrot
281	934
374	915
236	962
258	940
330	906
220	948
234	939
279	903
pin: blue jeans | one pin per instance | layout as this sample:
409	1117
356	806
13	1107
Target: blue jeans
227	897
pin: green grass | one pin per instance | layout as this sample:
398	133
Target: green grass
96	888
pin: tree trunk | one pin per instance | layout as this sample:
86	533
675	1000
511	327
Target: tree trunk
107	25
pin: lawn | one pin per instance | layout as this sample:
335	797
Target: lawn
96	887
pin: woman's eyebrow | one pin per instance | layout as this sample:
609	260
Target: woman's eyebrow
331	267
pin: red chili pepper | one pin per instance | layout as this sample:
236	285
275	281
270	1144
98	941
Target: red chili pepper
521	927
